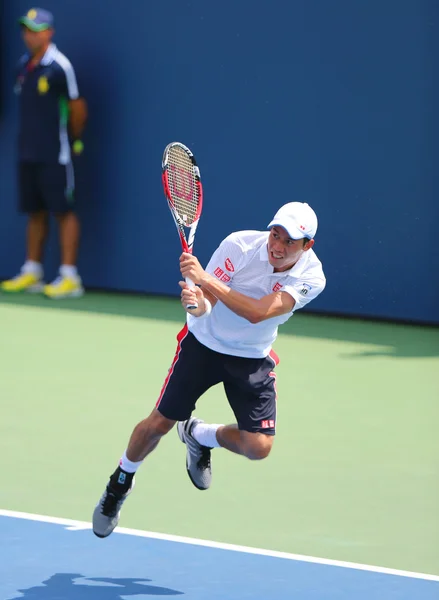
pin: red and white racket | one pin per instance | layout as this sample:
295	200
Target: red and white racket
184	193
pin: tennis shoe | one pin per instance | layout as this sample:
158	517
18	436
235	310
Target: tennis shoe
106	515
24	282
197	456
64	287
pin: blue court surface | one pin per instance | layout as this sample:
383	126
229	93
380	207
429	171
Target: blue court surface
63	560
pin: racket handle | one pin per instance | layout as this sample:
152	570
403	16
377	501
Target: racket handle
191	284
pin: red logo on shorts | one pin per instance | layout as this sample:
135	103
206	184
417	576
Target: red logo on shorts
267	424
277	286
229	265
218	272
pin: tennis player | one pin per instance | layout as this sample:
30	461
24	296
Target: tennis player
253	283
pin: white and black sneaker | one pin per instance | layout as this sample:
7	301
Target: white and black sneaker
197	456
106	515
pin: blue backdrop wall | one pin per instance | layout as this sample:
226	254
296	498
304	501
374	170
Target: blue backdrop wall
333	102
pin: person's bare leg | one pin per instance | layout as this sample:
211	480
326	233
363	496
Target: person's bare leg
36	235
146	436
254	446
200	438
144	439
69	234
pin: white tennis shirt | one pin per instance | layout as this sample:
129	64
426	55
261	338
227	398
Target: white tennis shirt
241	262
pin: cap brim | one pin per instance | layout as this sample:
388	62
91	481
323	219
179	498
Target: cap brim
294	233
33	26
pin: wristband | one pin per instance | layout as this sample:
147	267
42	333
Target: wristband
78	147
208	310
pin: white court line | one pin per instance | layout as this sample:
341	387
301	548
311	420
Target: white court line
81	525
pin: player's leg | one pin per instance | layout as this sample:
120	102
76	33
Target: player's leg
69	234
251	391
30	278
58	185
37	230
144	439
252	445
188	378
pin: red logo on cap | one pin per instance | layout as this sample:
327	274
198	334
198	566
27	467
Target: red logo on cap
302	227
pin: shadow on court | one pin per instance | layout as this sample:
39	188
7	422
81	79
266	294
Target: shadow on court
398	339
73	586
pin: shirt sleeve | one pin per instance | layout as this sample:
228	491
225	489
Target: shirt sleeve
19	72
227	259
305	290
67	78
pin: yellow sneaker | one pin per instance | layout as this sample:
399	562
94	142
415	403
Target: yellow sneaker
64	287
24	282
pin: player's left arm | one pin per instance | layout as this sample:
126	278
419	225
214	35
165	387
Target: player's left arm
78	111
78	114
252	309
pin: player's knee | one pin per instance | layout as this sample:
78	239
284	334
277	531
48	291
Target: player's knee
156	425
257	446
64	216
39	216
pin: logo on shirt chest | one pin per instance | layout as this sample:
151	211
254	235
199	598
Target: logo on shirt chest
229	265
43	85
277	286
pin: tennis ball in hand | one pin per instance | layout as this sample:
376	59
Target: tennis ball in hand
78	147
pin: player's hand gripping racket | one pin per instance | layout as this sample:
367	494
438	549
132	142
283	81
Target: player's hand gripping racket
184	193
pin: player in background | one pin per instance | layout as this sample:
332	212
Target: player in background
52	117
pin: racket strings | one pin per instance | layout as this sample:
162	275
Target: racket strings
183	185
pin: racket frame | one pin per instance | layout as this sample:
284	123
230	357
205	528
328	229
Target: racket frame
186	242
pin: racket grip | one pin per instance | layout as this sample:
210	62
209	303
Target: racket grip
191	284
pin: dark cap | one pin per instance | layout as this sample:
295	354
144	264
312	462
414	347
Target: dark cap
37	19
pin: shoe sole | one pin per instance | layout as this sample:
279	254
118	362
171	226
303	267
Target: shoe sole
102	537
180	431
99	535
75	294
33	289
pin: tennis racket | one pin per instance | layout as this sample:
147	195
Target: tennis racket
184	193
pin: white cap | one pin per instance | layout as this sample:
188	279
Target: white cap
297	218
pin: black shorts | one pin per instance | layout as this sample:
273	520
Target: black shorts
46	186
249	383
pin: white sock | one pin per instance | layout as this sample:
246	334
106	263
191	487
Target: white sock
128	465
69	271
205	434
36	268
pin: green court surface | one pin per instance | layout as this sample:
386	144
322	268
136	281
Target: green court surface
353	474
